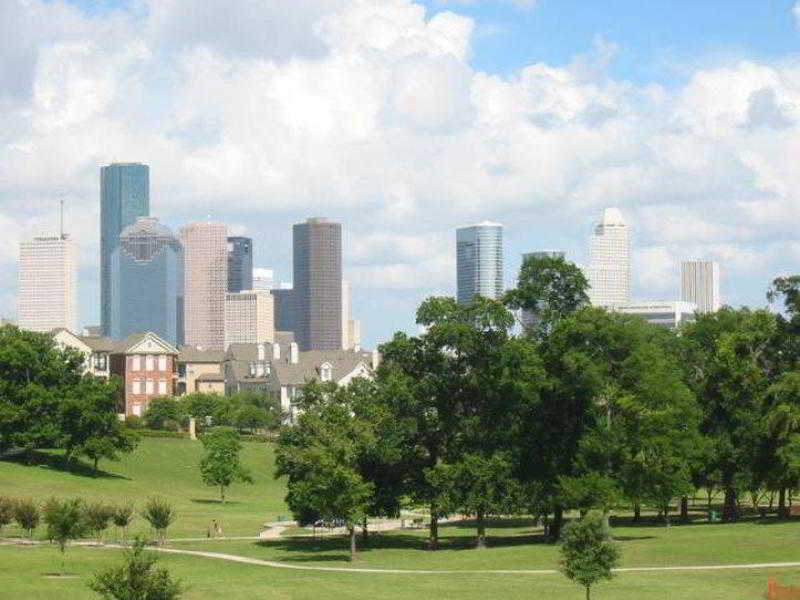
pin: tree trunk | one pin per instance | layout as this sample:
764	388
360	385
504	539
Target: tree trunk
685	509
558	522
433	536
352	529
708	493
222	493
364	532
666	515
480	520
588	593
607	523
782	511
729	510
637	512
96	460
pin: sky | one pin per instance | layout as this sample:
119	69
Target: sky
404	120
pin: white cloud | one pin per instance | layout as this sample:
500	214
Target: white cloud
796	13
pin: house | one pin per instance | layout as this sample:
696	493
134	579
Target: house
281	370
96	350
200	371
148	367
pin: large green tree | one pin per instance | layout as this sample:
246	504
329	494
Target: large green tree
221	466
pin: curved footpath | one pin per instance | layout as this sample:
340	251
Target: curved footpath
279	565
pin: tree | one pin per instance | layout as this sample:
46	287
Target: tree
6	512
121	516
221	465
782	435
65	520
160	514
549	288
162	412
27	515
137	578
587	555
97	515
250	418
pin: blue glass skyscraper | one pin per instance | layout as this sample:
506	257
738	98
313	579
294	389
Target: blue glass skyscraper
479	261
147	282
240	264
124	196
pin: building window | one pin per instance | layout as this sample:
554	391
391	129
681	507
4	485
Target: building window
162	387
137	386
137	410
136	363
149	362
100	362
148	386
162	362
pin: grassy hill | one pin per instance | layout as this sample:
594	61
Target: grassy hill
163	467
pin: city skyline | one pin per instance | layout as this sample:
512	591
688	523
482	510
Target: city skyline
539	133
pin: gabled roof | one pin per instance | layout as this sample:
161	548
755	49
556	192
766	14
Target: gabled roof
100	344
145	343
196	355
212	377
342	362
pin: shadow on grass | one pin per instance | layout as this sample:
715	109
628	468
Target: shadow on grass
57	462
632	538
210	501
515	523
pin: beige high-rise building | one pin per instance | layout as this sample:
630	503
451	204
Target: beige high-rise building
205	251
700	284
249	317
48	284
609	271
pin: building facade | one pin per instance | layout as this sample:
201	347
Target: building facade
205	250
609	271
147	282
263	279
317	254
48	284
285	309
124	196
249	317
700	284
240	264
479	261
669	314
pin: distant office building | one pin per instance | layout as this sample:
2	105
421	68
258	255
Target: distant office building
147	282
285	309
240	264
526	317
479	261
700	284
48	284
354	335
249	317
666	314
205	249
609	271
318	284
124	196
263	279
347	314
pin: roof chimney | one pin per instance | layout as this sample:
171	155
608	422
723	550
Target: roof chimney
293	353
262	352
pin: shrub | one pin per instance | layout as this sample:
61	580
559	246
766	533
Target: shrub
160	514
26	514
6	512
136	578
97	515
121	516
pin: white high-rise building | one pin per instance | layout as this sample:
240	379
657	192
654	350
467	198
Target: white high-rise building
48	284
700	284
609	271
669	314
249	317
351	328
479	261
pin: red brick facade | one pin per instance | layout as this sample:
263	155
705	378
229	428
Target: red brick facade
147	376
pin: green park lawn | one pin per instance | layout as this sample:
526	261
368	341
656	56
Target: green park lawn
168	467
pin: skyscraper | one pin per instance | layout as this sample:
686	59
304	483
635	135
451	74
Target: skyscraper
249	317
609	271
240	264
479	261
528	318
205	250
263	279
317	246
124	196
48	284
147	282
700	284
285	309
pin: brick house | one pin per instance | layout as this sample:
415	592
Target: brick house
148	367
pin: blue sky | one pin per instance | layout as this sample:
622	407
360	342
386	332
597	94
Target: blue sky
538	114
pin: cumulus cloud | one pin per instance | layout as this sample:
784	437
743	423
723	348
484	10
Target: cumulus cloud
371	112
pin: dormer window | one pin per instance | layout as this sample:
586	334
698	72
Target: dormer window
326	372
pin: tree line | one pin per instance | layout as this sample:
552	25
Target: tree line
587	409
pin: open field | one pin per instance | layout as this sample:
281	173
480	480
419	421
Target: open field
164	467
169	468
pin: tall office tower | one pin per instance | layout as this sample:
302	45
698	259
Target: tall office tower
147	282
205	250
124	196
528	318
240	264
700	284
48	284
318	284
609	271
479	261
285	309
249	317
263	279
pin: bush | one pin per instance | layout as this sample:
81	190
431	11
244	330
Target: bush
134	421
6	512
121	516
160	514
26	514
162	413
137	579
97	515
